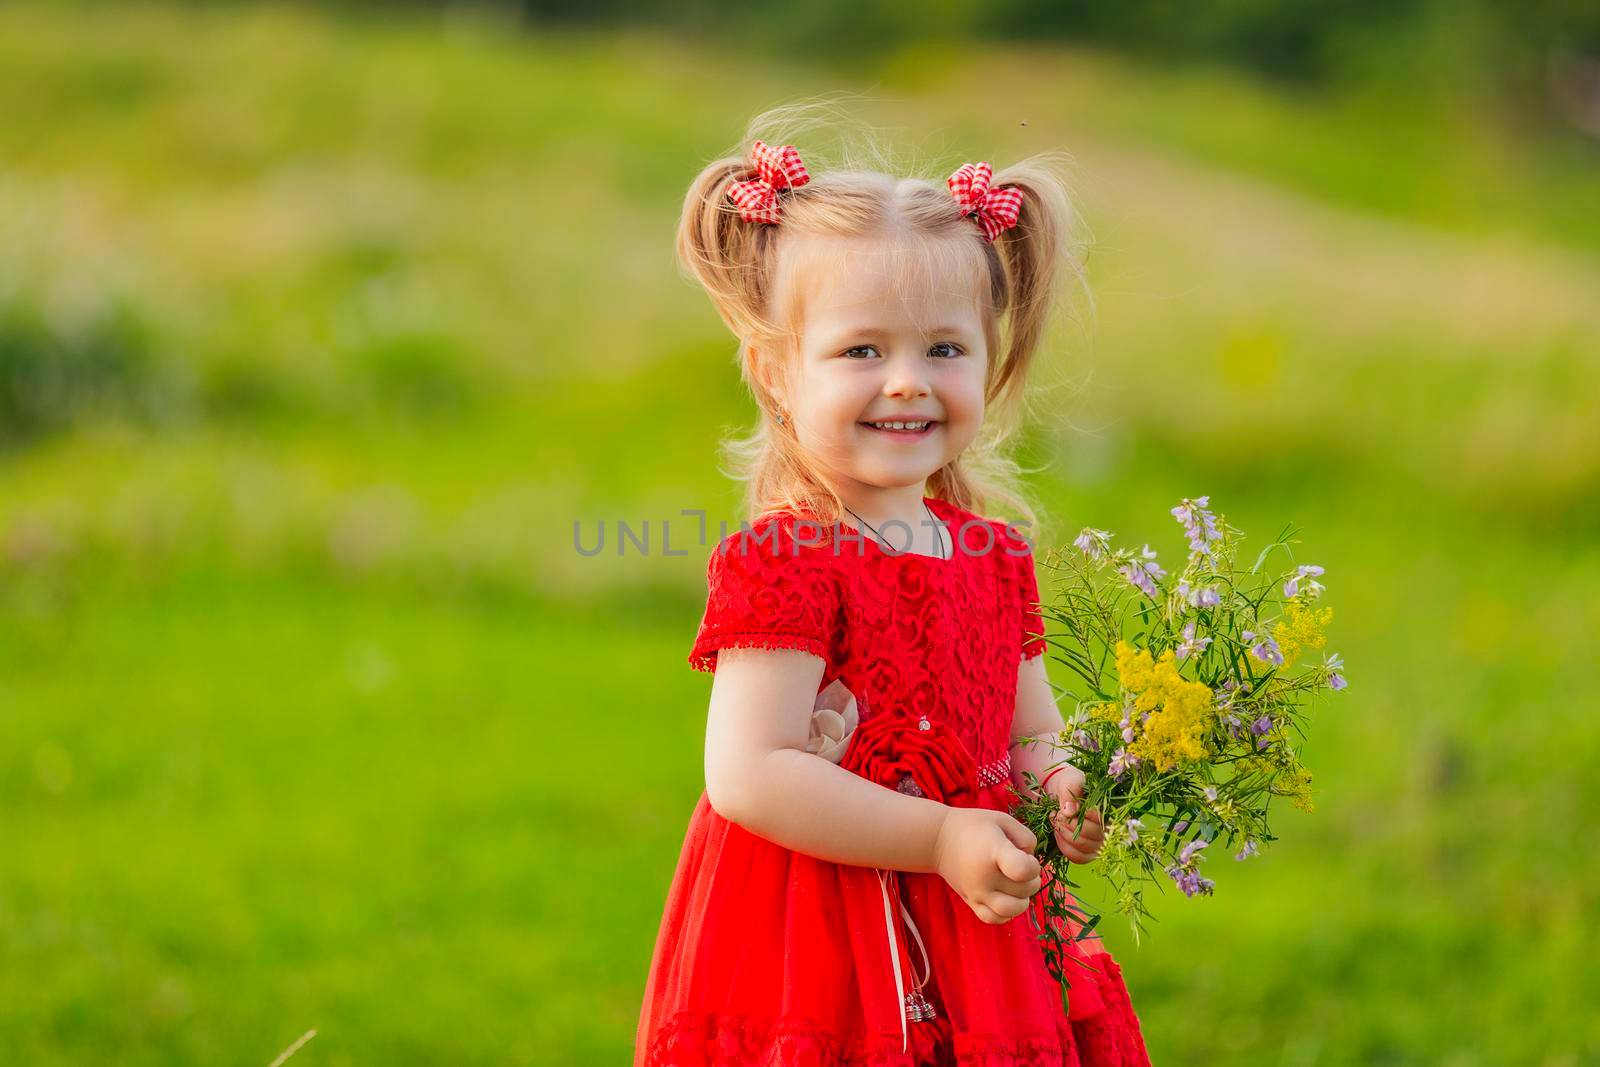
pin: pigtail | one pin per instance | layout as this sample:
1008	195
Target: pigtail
1033	255
732	260
721	251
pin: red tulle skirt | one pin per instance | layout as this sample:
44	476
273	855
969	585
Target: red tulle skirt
770	957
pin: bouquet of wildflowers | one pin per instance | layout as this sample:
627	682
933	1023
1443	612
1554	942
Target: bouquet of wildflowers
1189	693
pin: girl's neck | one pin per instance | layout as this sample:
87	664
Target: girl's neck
900	509
874	503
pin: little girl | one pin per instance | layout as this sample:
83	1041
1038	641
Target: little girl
818	916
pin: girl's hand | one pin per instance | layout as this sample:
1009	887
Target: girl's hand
987	857
1078	844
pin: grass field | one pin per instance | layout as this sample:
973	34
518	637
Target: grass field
317	335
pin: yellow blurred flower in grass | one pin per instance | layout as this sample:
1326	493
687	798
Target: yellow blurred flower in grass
1300	629
1179	710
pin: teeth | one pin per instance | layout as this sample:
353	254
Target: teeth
899	425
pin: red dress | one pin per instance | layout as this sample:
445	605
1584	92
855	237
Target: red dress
767	956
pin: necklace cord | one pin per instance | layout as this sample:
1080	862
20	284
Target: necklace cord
937	528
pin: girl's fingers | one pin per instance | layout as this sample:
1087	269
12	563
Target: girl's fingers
1007	907
1092	823
1019	887
1015	889
1080	842
1091	830
1016	865
1081	850
987	914
1075	856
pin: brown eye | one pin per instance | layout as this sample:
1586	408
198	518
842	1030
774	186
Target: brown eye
955	350
859	348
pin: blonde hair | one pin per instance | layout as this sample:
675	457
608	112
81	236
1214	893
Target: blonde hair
736	262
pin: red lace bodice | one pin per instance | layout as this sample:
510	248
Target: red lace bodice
937	637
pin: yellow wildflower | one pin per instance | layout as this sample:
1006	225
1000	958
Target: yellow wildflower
1302	629
1256	765
1179	709
1299	789
1108	711
1134	667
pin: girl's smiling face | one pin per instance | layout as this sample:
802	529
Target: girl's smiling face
885	339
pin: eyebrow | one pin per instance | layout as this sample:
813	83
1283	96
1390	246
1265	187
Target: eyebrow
837	336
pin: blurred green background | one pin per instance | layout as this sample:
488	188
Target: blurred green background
319	328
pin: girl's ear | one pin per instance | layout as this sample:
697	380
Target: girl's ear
764	368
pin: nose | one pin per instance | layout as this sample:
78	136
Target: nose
904	379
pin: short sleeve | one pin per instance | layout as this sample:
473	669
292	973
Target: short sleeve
765	589
1030	613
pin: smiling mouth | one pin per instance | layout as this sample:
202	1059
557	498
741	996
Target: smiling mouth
903	429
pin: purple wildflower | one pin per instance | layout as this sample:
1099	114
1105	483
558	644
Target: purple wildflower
1306	573
1190	881
1260	727
1180	826
1184	872
1210	793
1085	741
1134	826
1264	648
1093	543
1335	667
1199	524
1143	574
1191	645
1248	850
1121	760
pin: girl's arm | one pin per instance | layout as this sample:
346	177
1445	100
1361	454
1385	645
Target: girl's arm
759	775
1036	716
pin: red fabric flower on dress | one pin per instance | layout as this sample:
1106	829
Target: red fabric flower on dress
888	749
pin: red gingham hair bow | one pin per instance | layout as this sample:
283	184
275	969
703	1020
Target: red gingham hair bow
995	209
776	168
